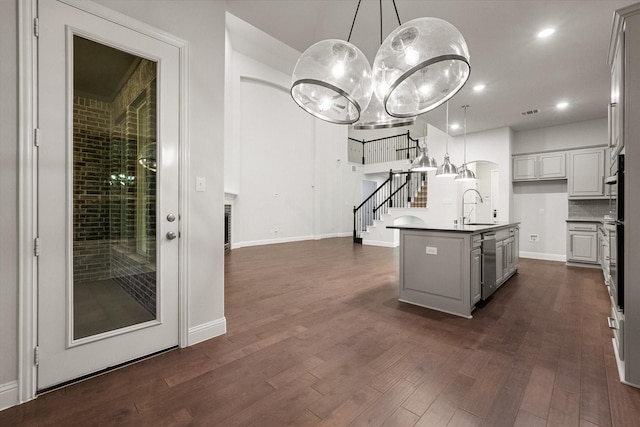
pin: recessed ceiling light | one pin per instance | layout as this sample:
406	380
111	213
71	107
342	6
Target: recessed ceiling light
479	88
546	32
454	126
562	105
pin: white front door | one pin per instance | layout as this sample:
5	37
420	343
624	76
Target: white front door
107	193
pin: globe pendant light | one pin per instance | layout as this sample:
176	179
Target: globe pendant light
423	162
332	81
447	169
465	174
419	66
375	117
148	157
422	64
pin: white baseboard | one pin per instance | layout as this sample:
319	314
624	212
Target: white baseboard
238	245
379	243
207	331
543	256
8	395
333	235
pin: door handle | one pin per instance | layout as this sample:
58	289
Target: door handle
171	235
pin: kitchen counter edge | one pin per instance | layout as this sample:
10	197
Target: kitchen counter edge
480	228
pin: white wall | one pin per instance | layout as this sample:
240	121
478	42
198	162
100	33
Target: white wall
445	194
573	135
8	205
542	207
286	173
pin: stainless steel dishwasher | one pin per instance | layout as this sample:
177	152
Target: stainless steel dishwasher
489	273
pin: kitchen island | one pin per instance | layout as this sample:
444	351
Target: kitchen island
451	268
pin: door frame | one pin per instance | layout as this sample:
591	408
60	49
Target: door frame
27	179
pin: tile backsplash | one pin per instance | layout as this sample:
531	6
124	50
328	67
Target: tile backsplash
588	208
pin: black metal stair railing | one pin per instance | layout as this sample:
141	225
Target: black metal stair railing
388	149
396	191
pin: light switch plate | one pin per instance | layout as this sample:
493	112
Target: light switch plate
201	183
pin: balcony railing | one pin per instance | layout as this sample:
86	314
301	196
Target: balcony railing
388	149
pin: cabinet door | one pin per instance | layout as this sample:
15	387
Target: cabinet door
499	262
516	249
616	119
508	255
524	168
586	173
583	246
476	276
551	166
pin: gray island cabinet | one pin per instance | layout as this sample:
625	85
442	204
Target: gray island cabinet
451	268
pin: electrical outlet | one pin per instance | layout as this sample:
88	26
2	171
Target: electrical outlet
432	251
541	211
534	238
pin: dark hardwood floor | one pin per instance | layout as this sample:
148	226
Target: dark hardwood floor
316	337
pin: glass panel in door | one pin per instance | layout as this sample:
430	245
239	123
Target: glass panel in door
114	189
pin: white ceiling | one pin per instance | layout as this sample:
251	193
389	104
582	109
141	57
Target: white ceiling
521	72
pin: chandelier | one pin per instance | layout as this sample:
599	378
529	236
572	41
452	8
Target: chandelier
419	66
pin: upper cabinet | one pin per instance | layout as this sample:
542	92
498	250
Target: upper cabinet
616	119
586	173
533	167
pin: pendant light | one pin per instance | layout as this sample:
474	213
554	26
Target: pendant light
148	157
332	81
423	162
465	174
447	169
419	66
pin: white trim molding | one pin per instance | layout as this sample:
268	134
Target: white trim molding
8	395
543	256
27	119
207	331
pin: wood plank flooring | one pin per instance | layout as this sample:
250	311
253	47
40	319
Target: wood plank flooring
316	337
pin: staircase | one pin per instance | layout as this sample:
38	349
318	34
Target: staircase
396	199
400	192
420	199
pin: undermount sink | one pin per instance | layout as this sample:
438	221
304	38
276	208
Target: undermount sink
480	223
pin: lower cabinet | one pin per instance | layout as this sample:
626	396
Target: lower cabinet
500	262
476	275
582	242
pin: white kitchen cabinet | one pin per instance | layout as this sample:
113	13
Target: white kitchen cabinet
625	120
539	166
586	173
476	275
582	244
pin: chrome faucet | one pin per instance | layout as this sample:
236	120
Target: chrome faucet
463	194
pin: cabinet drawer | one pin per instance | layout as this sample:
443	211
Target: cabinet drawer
583	226
502	234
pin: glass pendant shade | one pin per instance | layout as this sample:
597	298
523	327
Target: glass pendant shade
419	66
465	174
147	157
375	117
447	169
423	162
332	81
